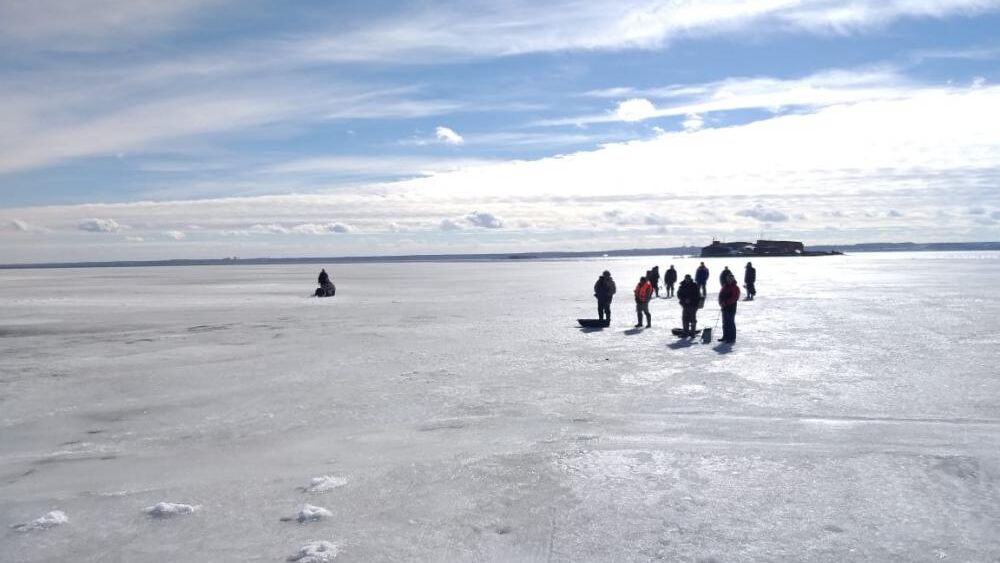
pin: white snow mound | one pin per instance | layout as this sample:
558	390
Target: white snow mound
324	483
316	552
310	513
50	520
169	509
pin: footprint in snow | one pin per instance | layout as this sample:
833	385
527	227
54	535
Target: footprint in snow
170	509
316	552
323	484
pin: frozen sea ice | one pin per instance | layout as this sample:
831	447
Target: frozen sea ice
324	484
50	520
316	552
169	509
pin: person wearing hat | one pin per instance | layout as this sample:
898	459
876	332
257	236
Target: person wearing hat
669	279
749	279
689	297
729	296
701	277
643	292
604	291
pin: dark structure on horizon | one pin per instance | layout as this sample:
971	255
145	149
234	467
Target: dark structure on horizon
760	248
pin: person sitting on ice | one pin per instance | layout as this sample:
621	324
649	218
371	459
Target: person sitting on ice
326	287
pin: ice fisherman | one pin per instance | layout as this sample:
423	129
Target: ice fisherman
689	297
604	291
669	279
326	287
725	274
324	278
749	279
729	296
643	292
654	279
701	277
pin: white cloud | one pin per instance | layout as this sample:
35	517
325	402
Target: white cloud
99	225
448	136
134	239
822	89
484	220
763	214
176	235
693	122
635	109
478	29
932	151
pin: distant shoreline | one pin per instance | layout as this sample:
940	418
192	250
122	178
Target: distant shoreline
692	251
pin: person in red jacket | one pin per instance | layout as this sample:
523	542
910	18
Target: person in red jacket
729	296
643	292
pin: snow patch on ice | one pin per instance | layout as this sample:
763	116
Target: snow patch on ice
50	520
316	552
324	484
170	509
309	513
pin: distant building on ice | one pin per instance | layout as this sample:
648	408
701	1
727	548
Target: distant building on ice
759	248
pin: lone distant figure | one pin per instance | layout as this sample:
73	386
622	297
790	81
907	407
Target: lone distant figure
749	279
326	287
701	276
604	291
689	297
643	292
669	279
729	296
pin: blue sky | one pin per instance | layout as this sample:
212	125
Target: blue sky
145	129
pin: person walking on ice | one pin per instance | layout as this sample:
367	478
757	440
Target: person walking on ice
729	296
604	291
749	280
643	292
701	276
689	297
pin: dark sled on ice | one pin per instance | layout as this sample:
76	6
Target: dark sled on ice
682	333
326	291
593	323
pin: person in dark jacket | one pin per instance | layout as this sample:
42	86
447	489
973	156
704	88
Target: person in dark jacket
604	291
324	278
750	279
669	279
701	276
643	292
326	287
729	296
689	297
725	274
654	279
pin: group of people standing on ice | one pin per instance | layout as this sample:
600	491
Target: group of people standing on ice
690	294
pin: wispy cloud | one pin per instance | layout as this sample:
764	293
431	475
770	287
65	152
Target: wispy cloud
817	175
448	136
764	93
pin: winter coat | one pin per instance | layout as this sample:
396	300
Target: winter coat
688	293
725	274
604	288
701	274
729	294
643	291
655	275
670	276
751	275
324	279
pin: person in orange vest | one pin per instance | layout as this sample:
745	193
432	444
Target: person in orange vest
643	292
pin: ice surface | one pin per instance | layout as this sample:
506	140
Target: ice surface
324	484
50	520
316	552
310	513
169	509
857	417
